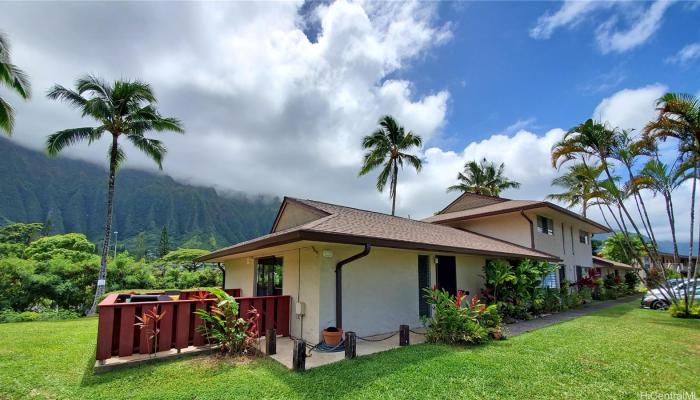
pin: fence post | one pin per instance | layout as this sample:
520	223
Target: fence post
299	356
403	335
350	345
271	341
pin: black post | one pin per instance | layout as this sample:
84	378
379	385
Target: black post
271	342
403	335
299	356
350	345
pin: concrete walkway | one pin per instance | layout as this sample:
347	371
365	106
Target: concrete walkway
537	323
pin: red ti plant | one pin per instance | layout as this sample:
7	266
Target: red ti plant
148	323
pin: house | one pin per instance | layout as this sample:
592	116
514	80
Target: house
608	267
539	225
366	271
668	260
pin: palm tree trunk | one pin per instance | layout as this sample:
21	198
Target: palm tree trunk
394	178
102	276
692	267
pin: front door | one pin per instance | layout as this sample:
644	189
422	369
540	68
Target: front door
446	274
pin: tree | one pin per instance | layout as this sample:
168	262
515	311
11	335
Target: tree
387	147
15	79
679	118
184	258
164	244
125	109
581	185
20	233
483	178
140	246
617	248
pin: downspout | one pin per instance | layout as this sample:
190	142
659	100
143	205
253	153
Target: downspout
223	275
339	283
532	229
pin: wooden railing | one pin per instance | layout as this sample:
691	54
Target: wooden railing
117	334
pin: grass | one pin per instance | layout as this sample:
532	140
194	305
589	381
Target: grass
614	353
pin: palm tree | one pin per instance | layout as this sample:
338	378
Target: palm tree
483	178
660	179
15	79
124	109
581	185
679	118
387	147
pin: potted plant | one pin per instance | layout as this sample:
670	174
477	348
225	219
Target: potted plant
332	336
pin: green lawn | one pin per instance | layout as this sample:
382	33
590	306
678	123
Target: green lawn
615	353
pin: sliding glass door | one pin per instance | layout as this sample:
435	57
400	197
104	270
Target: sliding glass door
268	276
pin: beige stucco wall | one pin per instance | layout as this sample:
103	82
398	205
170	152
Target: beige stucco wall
301	281
515	228
510	227
380	291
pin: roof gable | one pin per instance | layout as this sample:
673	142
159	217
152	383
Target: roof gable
293	213
468	201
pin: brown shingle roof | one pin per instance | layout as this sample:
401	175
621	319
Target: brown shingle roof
504	207
354	226
610	263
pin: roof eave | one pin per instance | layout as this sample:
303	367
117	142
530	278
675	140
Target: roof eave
318	236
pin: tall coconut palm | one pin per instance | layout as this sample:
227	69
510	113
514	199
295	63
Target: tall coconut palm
660	179
124	109
679	118
15	79
388	147
581	185
483	178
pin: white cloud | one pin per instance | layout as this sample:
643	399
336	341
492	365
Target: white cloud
266	109
611	39
627	25
686	55
569	15
630	108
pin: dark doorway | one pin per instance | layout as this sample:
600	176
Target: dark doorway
446	274
423	283
268	276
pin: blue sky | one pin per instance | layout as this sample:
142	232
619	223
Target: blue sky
497	74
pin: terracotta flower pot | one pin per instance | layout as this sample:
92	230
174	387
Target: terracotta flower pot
332	336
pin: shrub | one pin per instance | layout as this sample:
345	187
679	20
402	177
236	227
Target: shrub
9	315
224	327
677	310
454	321
631	281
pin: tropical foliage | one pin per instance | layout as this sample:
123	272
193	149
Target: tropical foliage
389	147
50	274
125	109
458	320
621	248
13	78
232	333
483	178
581	185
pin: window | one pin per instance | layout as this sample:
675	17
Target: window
583	237
550	280
545	225
268	276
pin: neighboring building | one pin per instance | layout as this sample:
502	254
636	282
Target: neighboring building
608	267
679	265
539	225
365	271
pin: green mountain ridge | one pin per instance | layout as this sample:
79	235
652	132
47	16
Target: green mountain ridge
70	195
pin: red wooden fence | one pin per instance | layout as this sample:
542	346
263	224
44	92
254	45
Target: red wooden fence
117	334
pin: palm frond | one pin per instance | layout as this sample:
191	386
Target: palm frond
152	147
383	176
15	79
60	93
7	117
61	139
